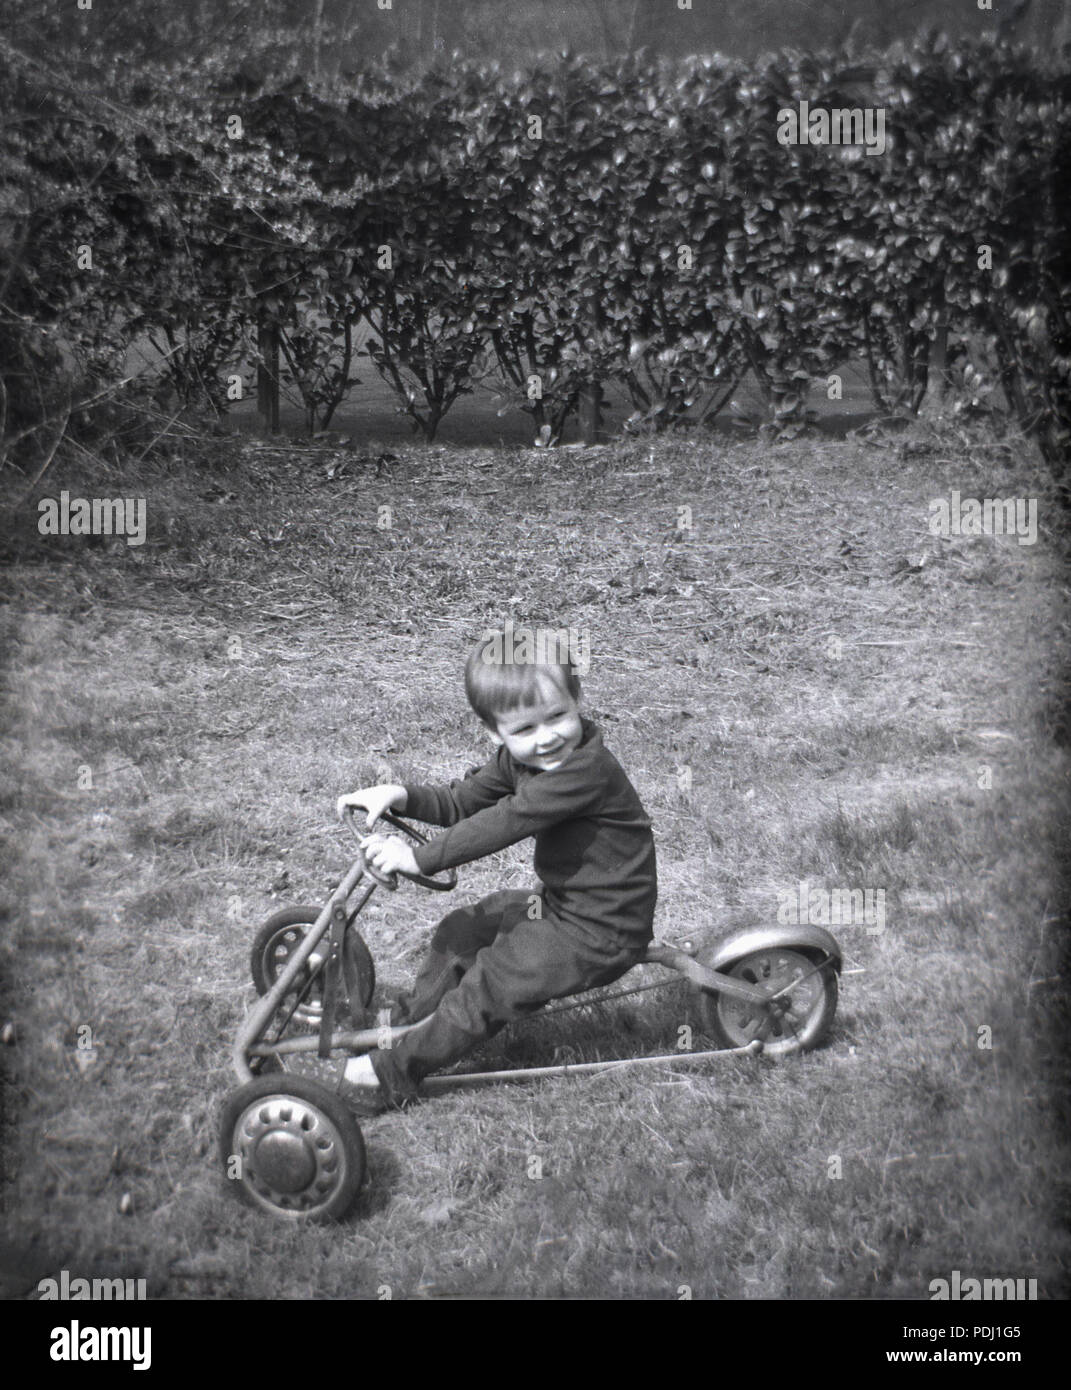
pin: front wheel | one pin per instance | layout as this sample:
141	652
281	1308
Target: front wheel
291	1147
803	1002
277	941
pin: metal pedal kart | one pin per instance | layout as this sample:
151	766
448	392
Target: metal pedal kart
290	1145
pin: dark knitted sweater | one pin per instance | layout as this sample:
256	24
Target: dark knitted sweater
594	850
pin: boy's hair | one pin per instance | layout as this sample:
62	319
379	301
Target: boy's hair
496	681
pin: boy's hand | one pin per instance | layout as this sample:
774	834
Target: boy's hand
388	854
375	800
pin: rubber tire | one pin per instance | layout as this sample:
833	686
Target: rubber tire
312	1094
260	962
818	1022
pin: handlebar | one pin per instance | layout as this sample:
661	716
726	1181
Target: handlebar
440	885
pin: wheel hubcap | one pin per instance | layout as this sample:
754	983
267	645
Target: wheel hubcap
285	1161
783	1018
292	1155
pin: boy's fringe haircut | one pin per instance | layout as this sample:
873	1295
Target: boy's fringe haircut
495	687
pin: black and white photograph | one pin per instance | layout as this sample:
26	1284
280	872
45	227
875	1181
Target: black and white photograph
536	668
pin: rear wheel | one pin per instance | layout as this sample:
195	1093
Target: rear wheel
803	1000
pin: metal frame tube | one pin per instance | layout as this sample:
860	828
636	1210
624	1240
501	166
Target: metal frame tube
433	1085
263	1010
675	959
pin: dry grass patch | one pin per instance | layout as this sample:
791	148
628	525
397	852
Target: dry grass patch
833	680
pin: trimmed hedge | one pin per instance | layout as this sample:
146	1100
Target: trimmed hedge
631	221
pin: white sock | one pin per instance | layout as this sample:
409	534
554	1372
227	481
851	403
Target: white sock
360	1072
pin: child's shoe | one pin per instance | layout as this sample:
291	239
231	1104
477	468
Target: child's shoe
360	1087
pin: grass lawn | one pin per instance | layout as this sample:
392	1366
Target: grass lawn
806	685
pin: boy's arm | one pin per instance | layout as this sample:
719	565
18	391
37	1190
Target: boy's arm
446	805
541	801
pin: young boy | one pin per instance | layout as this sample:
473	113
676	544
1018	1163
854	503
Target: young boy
512	952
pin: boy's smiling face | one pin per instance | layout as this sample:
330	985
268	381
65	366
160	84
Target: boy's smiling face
543	734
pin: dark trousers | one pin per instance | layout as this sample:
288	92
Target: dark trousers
489	965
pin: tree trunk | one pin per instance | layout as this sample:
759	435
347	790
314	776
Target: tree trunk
268	373
590	412
591	391
317	38
938	378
